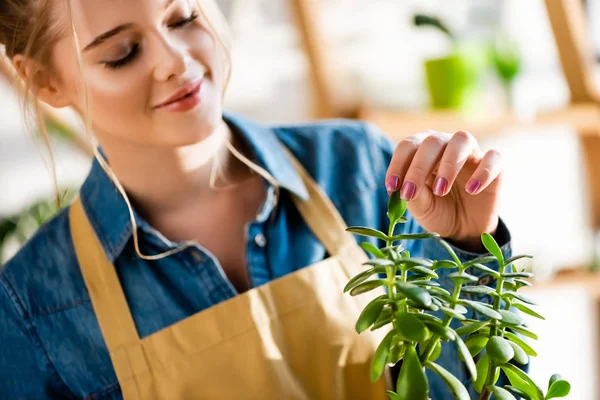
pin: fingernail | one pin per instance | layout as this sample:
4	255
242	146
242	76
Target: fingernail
473	185
408	191
392	183
440	185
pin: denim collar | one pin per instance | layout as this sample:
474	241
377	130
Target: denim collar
108	213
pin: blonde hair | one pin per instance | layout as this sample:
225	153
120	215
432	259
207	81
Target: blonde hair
216	24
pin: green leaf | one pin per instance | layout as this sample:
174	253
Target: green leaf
410	327
440	292
425	283
515	339
558	387
517	275
481	309
510	318
367	286
476	344
523	383
520	297
429	318
522	282
517	393
518	257
379	262
453	313
479	260
412	382
461	278
417	262
370	248
487	270
499	350
384	318
369	315
456	387
527	310
364	231
396	207
471	328
451	251
479	290
417	294
482	370
363	276
424	271
490	244
520	355
396	353
444	264
501	394
445	333
392	395
524	332
413	236
380	357
465	352
437	350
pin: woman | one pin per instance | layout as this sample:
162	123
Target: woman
171	275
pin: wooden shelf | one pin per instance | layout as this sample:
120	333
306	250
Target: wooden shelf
584	118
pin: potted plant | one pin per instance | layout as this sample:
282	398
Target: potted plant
416	336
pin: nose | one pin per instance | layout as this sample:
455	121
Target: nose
172	59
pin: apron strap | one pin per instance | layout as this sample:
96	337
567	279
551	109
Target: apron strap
104	287
321	215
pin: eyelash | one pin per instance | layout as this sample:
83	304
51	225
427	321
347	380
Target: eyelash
134	50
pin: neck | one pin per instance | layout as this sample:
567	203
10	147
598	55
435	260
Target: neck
161	179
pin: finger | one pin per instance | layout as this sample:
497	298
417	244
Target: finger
462	145
403	156
489	168
423	164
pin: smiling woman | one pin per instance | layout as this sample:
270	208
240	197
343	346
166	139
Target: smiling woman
201	243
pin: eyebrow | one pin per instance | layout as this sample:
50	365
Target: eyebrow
106	35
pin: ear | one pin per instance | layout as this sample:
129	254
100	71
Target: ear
43	83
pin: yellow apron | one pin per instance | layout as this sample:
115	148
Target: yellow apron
292	338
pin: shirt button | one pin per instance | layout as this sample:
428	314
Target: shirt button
260	240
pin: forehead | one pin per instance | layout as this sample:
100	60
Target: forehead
94	17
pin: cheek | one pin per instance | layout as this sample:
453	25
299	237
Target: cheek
208	51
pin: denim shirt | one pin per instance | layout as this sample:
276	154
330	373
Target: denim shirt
51	343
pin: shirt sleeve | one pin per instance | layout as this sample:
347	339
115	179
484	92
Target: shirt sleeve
25	372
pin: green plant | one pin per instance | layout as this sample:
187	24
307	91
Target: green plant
416	335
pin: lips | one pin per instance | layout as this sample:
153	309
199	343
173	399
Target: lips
188	90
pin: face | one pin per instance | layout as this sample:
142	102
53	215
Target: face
154	70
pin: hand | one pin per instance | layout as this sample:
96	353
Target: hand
452	187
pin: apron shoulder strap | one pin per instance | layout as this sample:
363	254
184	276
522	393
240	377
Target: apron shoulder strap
100	276
320	214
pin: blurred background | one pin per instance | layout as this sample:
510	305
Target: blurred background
521	75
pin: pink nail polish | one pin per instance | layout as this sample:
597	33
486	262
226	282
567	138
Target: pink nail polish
392	183
440	186
408	191
473	186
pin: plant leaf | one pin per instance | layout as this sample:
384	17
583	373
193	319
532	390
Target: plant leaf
396	207
520	355
439	264
363	276
518	257
384	318
410	327
471	328
396	353
515	339
482	371
424	271
524	383
465	352
412	382
379	262
558	387
520	297
372	249
369	315
380	357
443	332
510	318
524	332
501	394
415	293
367	286
490	244
488	270
392	395
517	275
499	350
456	387
527	310
476	344
462	278
480	290
364	231
413	236
517	393
481	309
440	292
479	260
417	262
453	313
425	283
